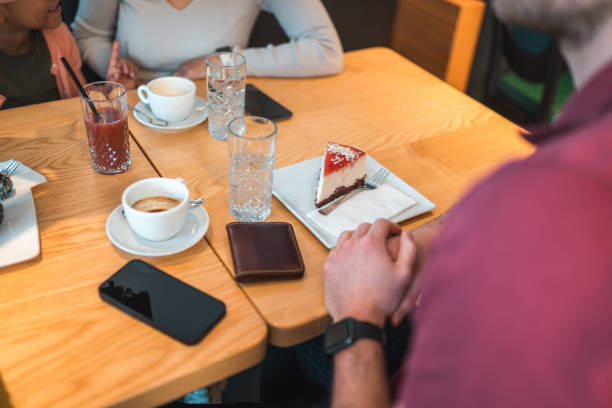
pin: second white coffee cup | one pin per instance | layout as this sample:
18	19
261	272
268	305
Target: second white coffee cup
160	225
170	98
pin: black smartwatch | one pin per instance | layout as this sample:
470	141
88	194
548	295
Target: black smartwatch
346	332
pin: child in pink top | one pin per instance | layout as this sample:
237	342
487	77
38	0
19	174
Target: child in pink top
33	39
27	27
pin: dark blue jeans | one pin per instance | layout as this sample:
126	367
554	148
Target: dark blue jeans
317	367
303	375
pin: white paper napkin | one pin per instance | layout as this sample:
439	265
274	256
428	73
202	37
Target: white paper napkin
24	178
384	202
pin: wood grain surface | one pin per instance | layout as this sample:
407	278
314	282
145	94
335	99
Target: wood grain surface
431	135
60	344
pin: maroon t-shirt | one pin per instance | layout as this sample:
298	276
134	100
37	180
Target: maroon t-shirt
516	306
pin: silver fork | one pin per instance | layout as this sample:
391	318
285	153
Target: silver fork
10	168
377	179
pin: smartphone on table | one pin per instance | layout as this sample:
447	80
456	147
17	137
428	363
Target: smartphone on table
162	301
258	103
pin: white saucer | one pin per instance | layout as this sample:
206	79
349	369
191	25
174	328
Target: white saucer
122	236
197	116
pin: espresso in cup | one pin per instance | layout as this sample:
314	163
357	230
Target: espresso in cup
170	98
156	208
155	204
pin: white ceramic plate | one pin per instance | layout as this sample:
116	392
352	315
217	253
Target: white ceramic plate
197	116
19	230
19	240
122	236
295	187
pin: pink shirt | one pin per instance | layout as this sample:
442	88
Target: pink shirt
516	307
61	44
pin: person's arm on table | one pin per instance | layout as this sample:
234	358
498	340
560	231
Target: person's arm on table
314	48
364	282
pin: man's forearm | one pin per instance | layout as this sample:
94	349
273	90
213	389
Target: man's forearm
424	236
360	379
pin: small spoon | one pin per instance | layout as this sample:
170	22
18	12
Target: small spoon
201	107
152	119
196	203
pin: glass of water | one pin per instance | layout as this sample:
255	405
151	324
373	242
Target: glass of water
250	151
225	80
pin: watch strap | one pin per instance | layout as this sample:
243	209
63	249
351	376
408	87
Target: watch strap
366	330
346	332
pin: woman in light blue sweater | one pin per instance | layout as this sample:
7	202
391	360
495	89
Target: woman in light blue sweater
165	37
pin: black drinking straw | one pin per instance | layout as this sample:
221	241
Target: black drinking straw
78	84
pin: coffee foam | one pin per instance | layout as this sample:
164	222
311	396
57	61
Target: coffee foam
165	89
155	204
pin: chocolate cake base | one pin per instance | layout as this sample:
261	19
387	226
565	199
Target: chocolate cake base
340	191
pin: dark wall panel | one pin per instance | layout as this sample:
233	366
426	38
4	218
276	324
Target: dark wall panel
360	24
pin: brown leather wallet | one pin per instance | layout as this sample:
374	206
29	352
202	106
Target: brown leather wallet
264	250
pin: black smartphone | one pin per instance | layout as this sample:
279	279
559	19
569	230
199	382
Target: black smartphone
162	301
258	103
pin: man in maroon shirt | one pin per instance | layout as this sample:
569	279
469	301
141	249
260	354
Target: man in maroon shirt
516	299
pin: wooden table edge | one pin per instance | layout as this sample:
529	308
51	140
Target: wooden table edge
285	336
180	386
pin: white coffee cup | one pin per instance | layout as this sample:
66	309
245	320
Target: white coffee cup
170	98
156	226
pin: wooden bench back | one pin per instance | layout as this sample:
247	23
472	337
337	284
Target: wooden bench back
439	35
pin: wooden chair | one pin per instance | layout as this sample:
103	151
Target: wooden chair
439	35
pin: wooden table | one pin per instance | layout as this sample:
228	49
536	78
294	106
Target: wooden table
60	345
432	136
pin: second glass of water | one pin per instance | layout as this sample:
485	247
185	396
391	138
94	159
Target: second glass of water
225	80
250	150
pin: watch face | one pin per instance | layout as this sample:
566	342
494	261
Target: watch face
337	336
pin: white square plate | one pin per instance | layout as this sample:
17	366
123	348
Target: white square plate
19	239
295	187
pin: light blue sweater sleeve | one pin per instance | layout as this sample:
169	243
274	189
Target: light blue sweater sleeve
314	48
94	31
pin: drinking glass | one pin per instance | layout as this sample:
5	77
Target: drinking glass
225	79
250	150
106	124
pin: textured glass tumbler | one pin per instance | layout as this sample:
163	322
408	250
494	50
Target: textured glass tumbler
106	124
250	149
225	81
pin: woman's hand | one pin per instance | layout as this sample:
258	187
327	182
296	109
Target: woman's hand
192	69
121	70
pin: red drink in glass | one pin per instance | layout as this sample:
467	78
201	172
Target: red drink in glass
106	124
109	141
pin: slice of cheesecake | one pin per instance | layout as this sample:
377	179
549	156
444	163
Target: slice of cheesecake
343	169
